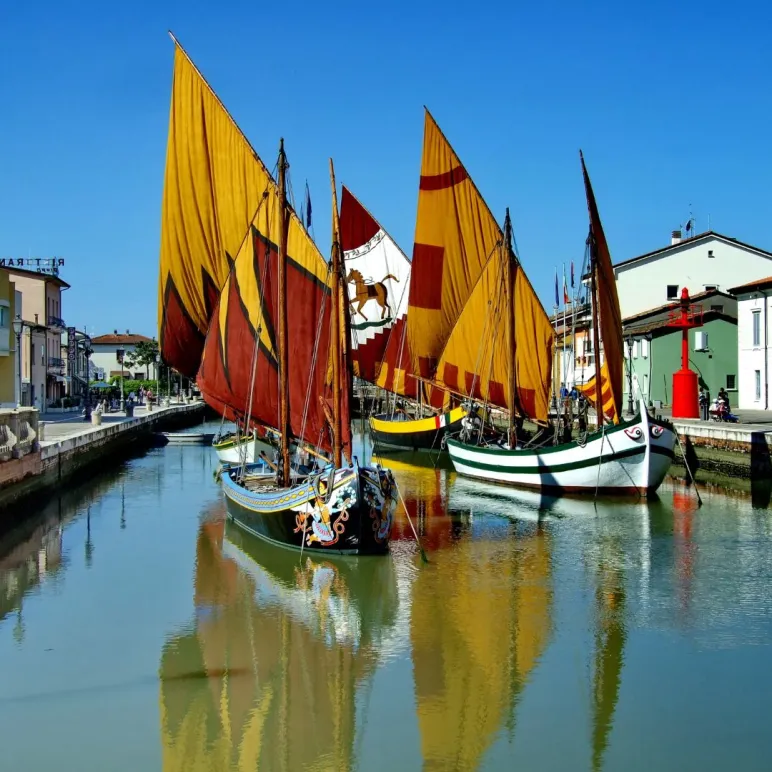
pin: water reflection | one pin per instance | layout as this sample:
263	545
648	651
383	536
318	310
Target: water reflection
270	672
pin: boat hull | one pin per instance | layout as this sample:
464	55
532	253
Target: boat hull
421	434
234	450
348	512
630	458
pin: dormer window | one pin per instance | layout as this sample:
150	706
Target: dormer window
711	287
672	292
710	253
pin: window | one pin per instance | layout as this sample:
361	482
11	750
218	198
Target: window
636	348
31	352
644	348
730	382
758	385
710	253
757	328
672	292
4	317
711	287
718	307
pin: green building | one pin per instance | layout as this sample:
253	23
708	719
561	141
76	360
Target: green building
653	349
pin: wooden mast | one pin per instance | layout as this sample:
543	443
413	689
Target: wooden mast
336	348
510	295
284	467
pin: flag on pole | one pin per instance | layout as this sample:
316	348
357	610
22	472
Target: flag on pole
688	226
566	299
572	274
308	206
557	295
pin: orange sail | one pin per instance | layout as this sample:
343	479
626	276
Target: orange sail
607	310
239	368
378	276
457	320
212	186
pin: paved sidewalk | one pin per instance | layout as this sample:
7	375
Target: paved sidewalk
62	426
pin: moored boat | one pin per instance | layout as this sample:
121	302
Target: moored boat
280	368
630	456
400	432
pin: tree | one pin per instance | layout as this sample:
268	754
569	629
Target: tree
143	356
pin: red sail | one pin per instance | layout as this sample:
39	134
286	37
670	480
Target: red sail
247	311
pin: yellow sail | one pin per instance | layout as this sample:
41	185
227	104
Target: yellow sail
607	309
454	237
476	361
212	186
457	282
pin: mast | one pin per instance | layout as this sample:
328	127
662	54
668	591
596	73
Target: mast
284	468
510	294
595	336
337	343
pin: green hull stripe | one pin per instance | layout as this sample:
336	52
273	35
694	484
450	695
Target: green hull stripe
497	468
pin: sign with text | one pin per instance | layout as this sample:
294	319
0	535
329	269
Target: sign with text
49	265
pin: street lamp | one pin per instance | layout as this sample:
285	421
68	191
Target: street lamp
119	356
18	328
87	351
157	379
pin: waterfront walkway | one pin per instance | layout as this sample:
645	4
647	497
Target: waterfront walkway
65	426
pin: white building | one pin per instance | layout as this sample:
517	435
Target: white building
754	338
105	359
701	263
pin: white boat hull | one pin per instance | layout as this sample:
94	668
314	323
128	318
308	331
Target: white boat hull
234	452
631	457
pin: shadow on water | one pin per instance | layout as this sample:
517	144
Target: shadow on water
761	471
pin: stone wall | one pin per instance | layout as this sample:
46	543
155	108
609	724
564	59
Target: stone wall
55	463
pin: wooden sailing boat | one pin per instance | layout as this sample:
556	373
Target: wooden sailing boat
621	457
272	364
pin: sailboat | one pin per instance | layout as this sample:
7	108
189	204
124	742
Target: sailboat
288	367
621	456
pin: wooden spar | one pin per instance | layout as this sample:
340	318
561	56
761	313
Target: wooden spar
509	272
284	427
336	348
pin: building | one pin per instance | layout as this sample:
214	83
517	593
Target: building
653	349
754	317
105	359
701	263
43	369
9	368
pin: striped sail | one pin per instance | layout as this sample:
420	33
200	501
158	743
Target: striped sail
609	314
378	278
457	319
589	390
239	368
212	185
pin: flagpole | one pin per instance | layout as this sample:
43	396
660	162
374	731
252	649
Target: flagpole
565	325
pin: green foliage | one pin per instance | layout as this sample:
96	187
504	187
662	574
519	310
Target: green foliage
132	385
143	356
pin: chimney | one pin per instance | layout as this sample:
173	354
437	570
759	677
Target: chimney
675	237
115	332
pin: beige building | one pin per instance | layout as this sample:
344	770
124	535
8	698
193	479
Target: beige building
8	355
43	369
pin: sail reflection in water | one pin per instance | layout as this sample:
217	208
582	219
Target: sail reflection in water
270	674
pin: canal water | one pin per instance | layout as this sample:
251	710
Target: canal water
139	631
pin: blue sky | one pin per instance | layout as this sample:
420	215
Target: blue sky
670	103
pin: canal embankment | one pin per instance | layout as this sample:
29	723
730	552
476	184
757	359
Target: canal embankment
733	450
38	457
